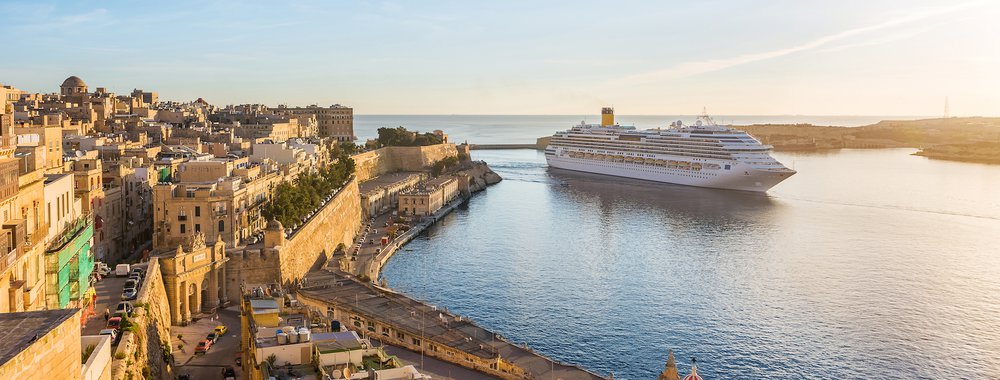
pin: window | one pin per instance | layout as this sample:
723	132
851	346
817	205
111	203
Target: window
222	225
399	335
197	227
197	210
183	225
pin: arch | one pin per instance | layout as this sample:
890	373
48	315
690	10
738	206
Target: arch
222	225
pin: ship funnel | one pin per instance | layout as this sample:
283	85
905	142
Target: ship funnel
607	116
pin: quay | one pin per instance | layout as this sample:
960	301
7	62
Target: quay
395	319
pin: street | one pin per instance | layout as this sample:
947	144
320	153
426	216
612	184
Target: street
109	294
222	354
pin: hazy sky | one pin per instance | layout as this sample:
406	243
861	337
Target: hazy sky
522	57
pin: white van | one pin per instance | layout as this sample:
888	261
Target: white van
122	270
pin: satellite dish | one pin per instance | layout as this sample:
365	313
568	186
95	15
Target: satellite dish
78	153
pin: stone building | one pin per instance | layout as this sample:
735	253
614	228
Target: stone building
194	276
381	194
336	121
229	207
430	197
46	345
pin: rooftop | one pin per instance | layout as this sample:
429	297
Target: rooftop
19	330
385	180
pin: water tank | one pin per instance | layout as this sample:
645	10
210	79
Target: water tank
293	337
282	338
304	335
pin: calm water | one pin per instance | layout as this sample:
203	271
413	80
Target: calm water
866	264
524	129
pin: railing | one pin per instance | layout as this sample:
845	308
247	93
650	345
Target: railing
8	259
182	217
221	212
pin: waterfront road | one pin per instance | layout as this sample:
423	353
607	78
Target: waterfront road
439	370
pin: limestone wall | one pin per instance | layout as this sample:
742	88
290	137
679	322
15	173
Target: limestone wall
400	158
308	247
140	352
313	244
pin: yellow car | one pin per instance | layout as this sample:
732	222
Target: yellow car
220	330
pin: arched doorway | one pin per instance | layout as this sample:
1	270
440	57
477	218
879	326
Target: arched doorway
193	303
204	295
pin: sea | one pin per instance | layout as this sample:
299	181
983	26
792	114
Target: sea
867	264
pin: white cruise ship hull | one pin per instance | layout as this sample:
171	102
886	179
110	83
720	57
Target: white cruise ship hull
740	177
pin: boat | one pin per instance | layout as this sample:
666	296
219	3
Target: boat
705	154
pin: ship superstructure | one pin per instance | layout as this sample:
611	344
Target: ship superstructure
704	154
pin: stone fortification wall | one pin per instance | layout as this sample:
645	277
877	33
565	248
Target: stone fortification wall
313	244
141	351
283	260
400	158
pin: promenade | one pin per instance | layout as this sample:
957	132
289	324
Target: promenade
370	262
382	313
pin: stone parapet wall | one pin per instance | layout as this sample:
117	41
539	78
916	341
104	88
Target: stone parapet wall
315	242
308	247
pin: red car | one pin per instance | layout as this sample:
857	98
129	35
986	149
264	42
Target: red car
203	346
115	323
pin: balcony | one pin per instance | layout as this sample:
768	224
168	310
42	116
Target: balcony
8	259
182	218
222	212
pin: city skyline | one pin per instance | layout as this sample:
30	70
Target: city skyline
736	58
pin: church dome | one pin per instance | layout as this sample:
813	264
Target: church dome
73	81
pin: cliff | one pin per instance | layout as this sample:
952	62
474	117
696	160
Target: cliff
480	175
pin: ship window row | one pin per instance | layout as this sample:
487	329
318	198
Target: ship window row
683	154
650	137
675	151
652	141
628	144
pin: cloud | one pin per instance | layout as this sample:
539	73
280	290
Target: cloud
687	69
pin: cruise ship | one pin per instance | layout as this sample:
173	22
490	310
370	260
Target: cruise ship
704	154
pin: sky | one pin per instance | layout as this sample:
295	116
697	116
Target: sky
522	57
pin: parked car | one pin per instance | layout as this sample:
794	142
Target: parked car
212	336
102	269
122	270
124	307
183	376
220	329
229	373
129	294
139	271
203	347
132	283
112	333
115	323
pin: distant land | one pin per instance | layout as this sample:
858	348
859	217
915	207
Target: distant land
972	139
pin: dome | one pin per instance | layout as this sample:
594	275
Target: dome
73	81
